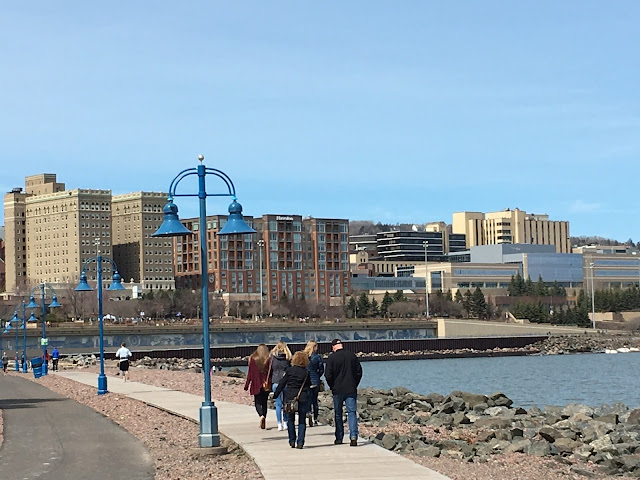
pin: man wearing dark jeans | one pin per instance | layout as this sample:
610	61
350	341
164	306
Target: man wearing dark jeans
343	373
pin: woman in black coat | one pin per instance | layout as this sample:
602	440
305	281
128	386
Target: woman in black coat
296	379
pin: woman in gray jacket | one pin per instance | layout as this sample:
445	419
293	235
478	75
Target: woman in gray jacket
280	360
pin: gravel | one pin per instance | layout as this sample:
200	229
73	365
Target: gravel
175	458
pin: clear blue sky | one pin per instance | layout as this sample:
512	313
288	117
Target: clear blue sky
392	112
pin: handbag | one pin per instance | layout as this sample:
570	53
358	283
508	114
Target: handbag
291	406
267	385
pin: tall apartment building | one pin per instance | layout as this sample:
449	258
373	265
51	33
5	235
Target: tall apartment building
301	258
62	230
15	204
141	258
50	232
512	226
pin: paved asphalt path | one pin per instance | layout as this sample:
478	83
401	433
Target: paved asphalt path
50	436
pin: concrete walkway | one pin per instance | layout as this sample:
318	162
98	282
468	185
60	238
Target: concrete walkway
269	448
47	435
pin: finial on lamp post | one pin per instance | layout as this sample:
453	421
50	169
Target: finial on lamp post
201	158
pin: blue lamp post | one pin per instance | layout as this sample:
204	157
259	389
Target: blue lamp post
172	227
83	286
24	321
15	319
54	304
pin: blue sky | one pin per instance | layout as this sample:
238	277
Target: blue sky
386	111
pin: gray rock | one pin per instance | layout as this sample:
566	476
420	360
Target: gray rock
609	418
495	411
459	418
493	422
566	445
550	434
500	399
540	448
634	417
428	451
519	446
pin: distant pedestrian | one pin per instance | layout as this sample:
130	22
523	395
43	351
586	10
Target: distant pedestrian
5	362
123	354
257	376
280	360
343	373
297	383
316	370
45	358
55	357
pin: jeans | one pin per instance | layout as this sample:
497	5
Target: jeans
303	408
280	415
350	402
314	402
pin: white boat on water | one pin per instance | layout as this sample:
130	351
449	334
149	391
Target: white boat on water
634	349
610	351
624	350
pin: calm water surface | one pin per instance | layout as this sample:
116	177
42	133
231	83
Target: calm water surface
592	379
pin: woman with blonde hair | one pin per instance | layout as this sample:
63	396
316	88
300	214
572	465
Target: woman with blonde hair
316	370
280	360
297	383
257	375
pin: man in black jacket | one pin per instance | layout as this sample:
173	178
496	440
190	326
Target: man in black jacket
343	373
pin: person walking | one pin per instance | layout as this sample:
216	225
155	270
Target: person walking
5	362
55	357
316	370
123	354
343	373
280	360
297	383
257	377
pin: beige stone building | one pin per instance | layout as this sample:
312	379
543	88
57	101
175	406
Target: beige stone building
512	226
50	233
141	258
15	208
62	231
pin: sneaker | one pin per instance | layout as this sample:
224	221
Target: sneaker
292	444
317	423
263	422
354	442
280	427
299	446
337	442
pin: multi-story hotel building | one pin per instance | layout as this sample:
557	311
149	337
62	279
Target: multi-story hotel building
301	258
63	229
15	209
50	232
141	258
512	226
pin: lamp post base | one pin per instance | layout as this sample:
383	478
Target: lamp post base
209	436
45	368
17	365
24	367
102	384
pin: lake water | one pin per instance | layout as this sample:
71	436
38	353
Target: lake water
591	379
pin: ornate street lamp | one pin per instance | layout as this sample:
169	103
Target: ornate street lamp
83	286
54	304
172	227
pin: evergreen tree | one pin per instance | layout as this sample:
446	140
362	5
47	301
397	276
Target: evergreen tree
448	296
528	287
386	302
458	297
350	307
467	302
399	296
478	303
363	305
375	308
540	289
